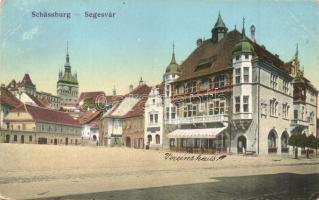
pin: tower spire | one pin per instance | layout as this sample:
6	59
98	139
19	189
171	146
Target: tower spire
297	51
243	31
173	55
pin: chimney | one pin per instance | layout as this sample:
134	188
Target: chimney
252	32
130	88
199	42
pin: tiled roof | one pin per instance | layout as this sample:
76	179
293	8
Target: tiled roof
114	99
89	116
47	115
93	95
9	99
215	57
137	110
141	91
39	102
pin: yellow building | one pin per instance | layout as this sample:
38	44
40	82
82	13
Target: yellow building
33	124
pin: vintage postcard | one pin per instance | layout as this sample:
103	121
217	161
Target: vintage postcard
159	99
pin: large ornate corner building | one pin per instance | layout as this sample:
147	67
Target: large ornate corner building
232	94
68	86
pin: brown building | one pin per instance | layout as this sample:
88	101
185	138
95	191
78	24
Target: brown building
133	126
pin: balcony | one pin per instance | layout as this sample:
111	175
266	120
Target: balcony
298	122
199	119
240	116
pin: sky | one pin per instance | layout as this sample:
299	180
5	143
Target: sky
137	41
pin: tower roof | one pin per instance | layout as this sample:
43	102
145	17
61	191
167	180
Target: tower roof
173	67
219	23
243	46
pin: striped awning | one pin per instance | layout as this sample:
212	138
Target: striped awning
196	133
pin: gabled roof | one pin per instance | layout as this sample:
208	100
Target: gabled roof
211	57
137	110
89	116
93	95
8	99
47	115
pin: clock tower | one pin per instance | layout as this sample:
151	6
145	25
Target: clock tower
68	86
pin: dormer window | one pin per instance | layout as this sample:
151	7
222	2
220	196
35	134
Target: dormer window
246	56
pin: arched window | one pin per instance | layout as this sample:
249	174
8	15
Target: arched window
284	140
272	140
149	138
157	139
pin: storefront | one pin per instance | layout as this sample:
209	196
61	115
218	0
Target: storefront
207	141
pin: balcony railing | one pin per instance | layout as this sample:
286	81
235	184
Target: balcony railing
199	119
299	122
237	116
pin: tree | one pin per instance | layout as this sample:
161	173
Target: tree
88	103
293	141
297	140
309	143
313	142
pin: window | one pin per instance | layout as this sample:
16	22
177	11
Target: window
185	111
273	81
167	90
190	110
219	81
216	110
153	100
211	109
285	111
167	113
15	138
191	87
237	57
237	104
157	139
173	113
246	74
151	118
273	108
222	108
30	138
237	75
285	87
246	56
156	118
246	103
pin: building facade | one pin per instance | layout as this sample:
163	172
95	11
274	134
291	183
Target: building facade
33	124
231	94
153	130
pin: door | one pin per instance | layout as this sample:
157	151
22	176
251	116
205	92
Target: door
241	144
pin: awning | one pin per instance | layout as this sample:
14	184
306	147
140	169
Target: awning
196	133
